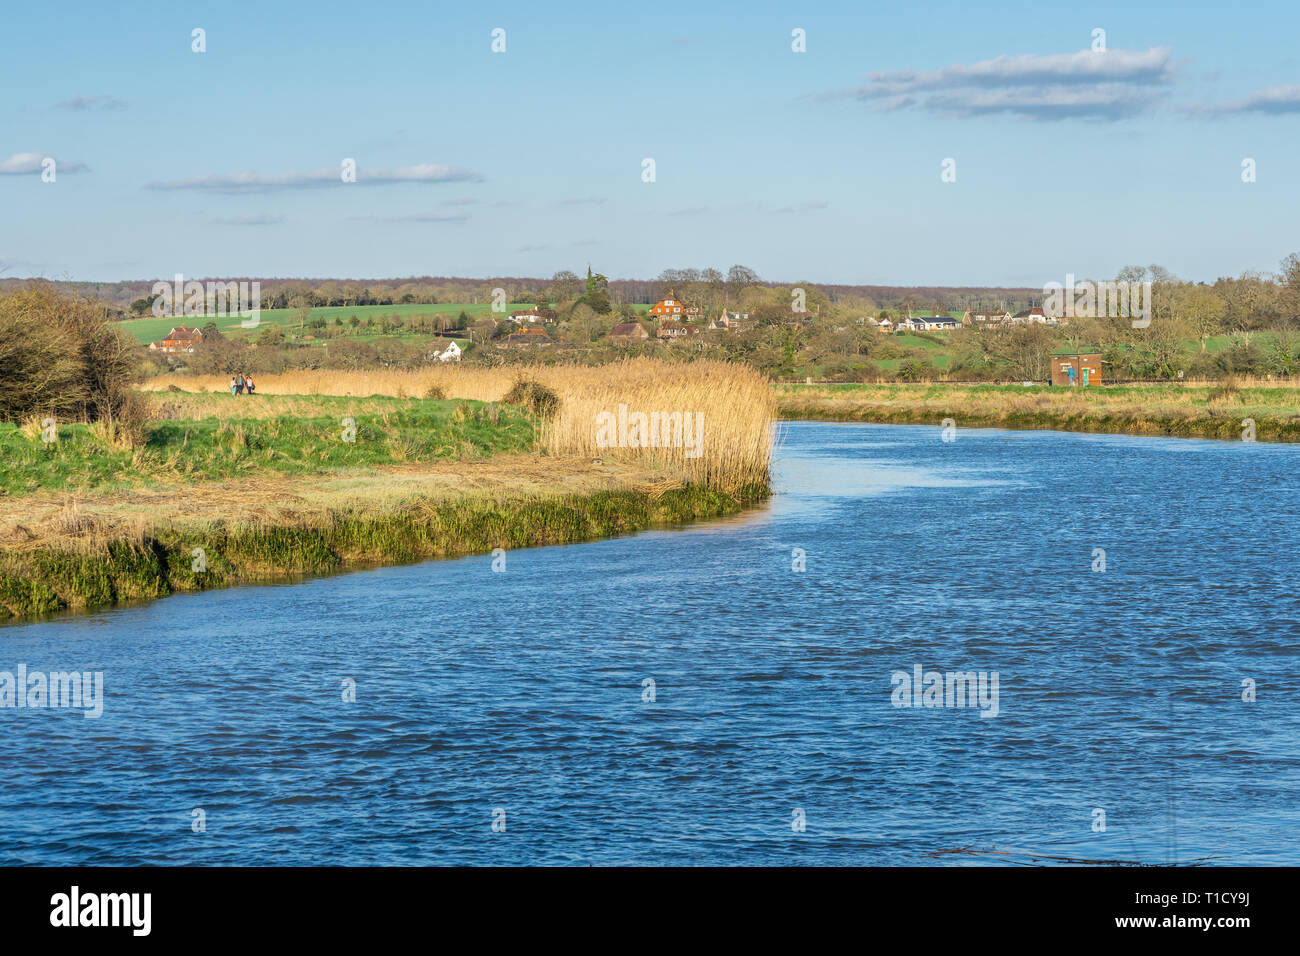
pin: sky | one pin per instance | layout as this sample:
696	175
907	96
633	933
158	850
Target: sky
825	164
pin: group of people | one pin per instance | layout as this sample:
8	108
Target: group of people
241	383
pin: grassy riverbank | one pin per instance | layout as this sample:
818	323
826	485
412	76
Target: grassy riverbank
225	490
86	563
1176	410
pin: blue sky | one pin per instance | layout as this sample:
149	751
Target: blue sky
821	166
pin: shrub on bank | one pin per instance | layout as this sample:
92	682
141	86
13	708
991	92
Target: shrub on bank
60	358
534	396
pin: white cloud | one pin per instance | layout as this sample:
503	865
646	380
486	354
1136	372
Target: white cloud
269	182
1275	100
21	163
101	101
417	217
804	206
1102	85
264	219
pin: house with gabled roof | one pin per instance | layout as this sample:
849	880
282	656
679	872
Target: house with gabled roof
180	339
671	307
447	350
732	321
671	331
986	316
629	333
1030	315
529	337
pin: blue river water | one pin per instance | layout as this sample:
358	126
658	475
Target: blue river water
507	717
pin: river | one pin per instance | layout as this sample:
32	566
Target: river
507	717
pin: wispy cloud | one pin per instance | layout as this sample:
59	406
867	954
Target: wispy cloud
320	178
1106	85
581	202
416	217
1275	100
101	101
21	163
804	206
759	208
259	220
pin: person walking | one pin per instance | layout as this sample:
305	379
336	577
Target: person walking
239	383
232	385
248	384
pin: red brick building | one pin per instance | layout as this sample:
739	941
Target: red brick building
180	339
1086	367
672	308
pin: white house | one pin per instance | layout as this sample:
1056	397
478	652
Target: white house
987	316
936	323
1035	314
445	352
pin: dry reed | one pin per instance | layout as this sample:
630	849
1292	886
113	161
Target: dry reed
734	403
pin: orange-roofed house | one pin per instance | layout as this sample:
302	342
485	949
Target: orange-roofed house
180	339
674	309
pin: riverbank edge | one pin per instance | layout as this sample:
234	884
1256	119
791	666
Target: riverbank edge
1267	429
39	583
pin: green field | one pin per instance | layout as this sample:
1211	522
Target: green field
152	329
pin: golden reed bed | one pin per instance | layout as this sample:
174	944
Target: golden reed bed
710	420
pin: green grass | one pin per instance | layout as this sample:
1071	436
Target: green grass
306	441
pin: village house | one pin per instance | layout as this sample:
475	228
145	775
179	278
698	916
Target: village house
529	337
731	321
525	316
986	316
672	331
180	339
447	351
930	323
674	308
1035	314
628	333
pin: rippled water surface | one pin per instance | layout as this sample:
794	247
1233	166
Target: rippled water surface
1119	690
